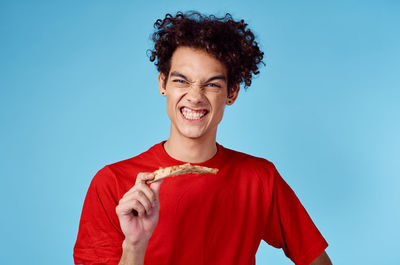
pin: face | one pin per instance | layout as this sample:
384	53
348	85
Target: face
197	92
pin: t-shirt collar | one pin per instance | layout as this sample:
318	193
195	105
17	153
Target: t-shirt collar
167	160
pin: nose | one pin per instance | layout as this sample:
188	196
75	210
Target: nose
195	94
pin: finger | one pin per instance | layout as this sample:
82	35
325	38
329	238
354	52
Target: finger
143	188
139	196
142	177
147	191
140	188
137	208
127	207
143	200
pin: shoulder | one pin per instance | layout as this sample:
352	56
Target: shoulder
122	174
258	174
144	161
250	162
252	168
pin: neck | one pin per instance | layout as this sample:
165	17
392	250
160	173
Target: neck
191	150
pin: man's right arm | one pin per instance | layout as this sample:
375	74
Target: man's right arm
138	212
132	255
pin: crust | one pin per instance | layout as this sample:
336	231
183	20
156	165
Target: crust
187	168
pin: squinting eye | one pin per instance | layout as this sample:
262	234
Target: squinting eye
180	81
213	85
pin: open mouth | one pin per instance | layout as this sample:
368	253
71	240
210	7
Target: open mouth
191	114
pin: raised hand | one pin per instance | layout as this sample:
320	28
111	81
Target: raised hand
138	210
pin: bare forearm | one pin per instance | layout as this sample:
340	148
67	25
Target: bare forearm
132	255
322	259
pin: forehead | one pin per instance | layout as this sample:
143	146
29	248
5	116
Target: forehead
196	63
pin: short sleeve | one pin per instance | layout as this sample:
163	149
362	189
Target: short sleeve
290	227
100	238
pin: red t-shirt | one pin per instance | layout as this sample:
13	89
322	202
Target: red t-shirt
204	219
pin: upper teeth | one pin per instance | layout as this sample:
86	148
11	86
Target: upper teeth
193	114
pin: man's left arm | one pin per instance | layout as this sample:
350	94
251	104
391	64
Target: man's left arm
322	259
288	226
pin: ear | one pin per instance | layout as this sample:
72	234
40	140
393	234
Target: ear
233	94
161	84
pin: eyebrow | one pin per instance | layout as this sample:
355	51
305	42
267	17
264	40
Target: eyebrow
177	74
217	77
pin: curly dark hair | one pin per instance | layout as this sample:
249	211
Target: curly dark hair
227	40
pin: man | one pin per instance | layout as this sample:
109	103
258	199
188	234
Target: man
193	218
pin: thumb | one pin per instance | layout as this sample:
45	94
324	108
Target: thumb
155	187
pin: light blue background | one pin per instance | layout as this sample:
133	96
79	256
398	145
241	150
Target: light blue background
78	92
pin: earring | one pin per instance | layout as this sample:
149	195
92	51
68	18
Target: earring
163	93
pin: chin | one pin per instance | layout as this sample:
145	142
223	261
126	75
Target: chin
192	135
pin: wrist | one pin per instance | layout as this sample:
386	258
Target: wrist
133	254
134	247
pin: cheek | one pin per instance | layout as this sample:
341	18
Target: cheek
170	107
221	111
220	108
172	101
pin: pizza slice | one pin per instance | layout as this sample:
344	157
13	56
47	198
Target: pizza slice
187	168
